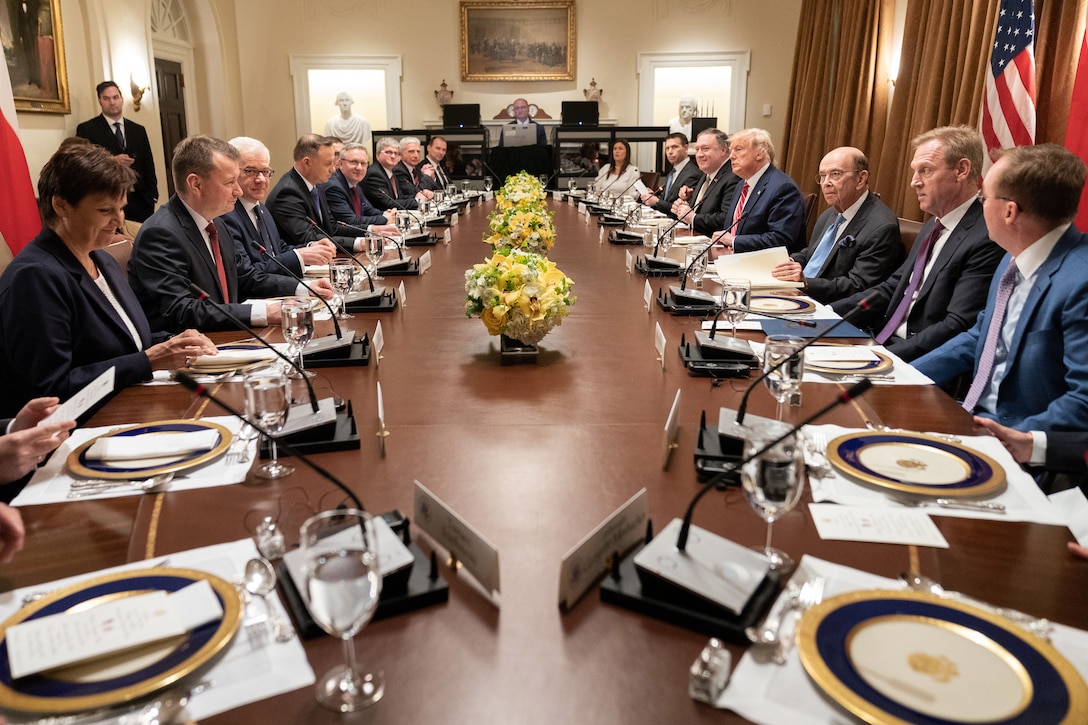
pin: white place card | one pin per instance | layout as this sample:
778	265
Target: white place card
453	219
582	208
648	296
401	294
600	235
588	216
489	196
442	524
425	262
378	342
659	343
83	400
446	236
570	200
880	525
672	430
629	261
622	531
381	408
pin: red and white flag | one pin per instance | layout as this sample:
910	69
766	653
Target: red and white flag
1008	110
1076	134
19	219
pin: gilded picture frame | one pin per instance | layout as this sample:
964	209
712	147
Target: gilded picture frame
35	58
518	41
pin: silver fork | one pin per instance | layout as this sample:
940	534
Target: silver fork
812	593
948	503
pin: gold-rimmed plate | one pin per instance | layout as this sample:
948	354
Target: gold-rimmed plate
915	463
781	305
879	366
912	657
80	465
128	675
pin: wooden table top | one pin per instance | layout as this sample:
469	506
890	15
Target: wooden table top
534	456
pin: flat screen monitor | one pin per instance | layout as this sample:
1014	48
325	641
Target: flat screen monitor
461	115
581	113
700	124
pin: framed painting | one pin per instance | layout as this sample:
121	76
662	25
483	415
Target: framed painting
518	41
34	51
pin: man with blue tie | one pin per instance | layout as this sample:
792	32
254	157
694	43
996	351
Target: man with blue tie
1028	350
682	172
855	243
251	224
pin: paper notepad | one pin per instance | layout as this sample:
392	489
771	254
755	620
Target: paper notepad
755	266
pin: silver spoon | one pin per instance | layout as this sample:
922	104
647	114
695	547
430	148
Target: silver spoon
79	489
260	580
949	503
1038	626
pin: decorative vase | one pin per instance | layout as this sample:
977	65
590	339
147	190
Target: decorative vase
515	352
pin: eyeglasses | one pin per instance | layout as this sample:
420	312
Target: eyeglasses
350	162
251	172
832	176
982	198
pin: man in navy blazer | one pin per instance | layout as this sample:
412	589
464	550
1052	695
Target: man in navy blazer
380	185
767	207
855	243
1028	350
182	244
251	224
704	205
346	197
409	174
941	287
132	149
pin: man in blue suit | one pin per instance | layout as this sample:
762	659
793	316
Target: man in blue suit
767	207
251	224
347	200
1029	347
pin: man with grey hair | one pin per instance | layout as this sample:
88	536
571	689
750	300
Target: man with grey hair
940	288
184	243
251	224
345	194
379	184
411	179
704	205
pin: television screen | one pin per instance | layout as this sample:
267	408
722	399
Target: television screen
581	113
461	115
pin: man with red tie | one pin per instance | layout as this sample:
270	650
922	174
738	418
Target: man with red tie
411	177
348	202
380	185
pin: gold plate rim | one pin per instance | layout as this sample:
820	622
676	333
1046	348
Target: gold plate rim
990	486
75	468
809	305
886	363
228	626
835	689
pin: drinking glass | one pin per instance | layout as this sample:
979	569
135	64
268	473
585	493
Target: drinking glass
451	191
404	223
464	188
786	380
268	400
425	207
342	279
488	181
773	482
342	587
439	197
543	180
591	191
572	184
375	250
696	264
736	296
297	323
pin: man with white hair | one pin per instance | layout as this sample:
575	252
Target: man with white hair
380	185
412	180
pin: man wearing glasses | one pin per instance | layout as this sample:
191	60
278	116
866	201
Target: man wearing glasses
522	131
251	224
379	183
855	243
347	200
941	287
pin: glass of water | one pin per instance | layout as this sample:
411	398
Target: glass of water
735	298
783	351
488	181
375	250
268	400
696	264
297	324
342	279
773	481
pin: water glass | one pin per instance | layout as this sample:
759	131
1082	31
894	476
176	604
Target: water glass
488	181
464	188
572	184
297	324
735	299
783	353
773	481
375	250
696	264
342	279
268	401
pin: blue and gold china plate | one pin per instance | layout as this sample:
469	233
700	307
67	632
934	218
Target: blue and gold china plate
82	466
781	305
915	463
882	364
912	657
128	675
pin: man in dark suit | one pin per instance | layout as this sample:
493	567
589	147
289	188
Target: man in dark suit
1028	350
856	242
128	143
346	198
251	224
299	205
522	128
380	186
682	172
704	206
181	244
767	209
436	154
940	288
411	180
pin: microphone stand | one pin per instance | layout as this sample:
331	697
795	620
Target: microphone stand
773	315
350	254
672	226
845	396
203	296
731	227
187	380
298	278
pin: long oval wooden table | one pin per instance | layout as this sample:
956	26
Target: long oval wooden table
534	456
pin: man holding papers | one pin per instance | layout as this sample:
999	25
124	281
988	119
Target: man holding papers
855	243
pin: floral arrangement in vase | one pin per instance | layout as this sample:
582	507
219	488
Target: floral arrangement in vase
521	219
519	294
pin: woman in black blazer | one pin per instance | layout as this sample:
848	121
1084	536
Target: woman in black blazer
67	313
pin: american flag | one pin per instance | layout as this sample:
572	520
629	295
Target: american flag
1008	111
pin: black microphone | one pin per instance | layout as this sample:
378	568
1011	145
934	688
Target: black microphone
298	278
187	380
203	296
350	253
861	306
694	209
844	397
684	281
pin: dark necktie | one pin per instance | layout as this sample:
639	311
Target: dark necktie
393	183
316	196
217	255
258	212
119	134
981	383
668	182
355	204
916	273
439	175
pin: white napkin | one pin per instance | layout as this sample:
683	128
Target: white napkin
236	356
1023	499
158	445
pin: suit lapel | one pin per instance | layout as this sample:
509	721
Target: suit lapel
972	217
196	240
1039	290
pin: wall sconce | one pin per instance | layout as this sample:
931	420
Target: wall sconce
137	93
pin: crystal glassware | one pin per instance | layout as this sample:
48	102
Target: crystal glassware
736	296
342	279
343	583
773	482
488	182
786	380
572	184
464	188
375	250
696	264
268	400
297	323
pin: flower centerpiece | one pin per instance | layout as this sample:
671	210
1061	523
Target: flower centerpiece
519	294
521	219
